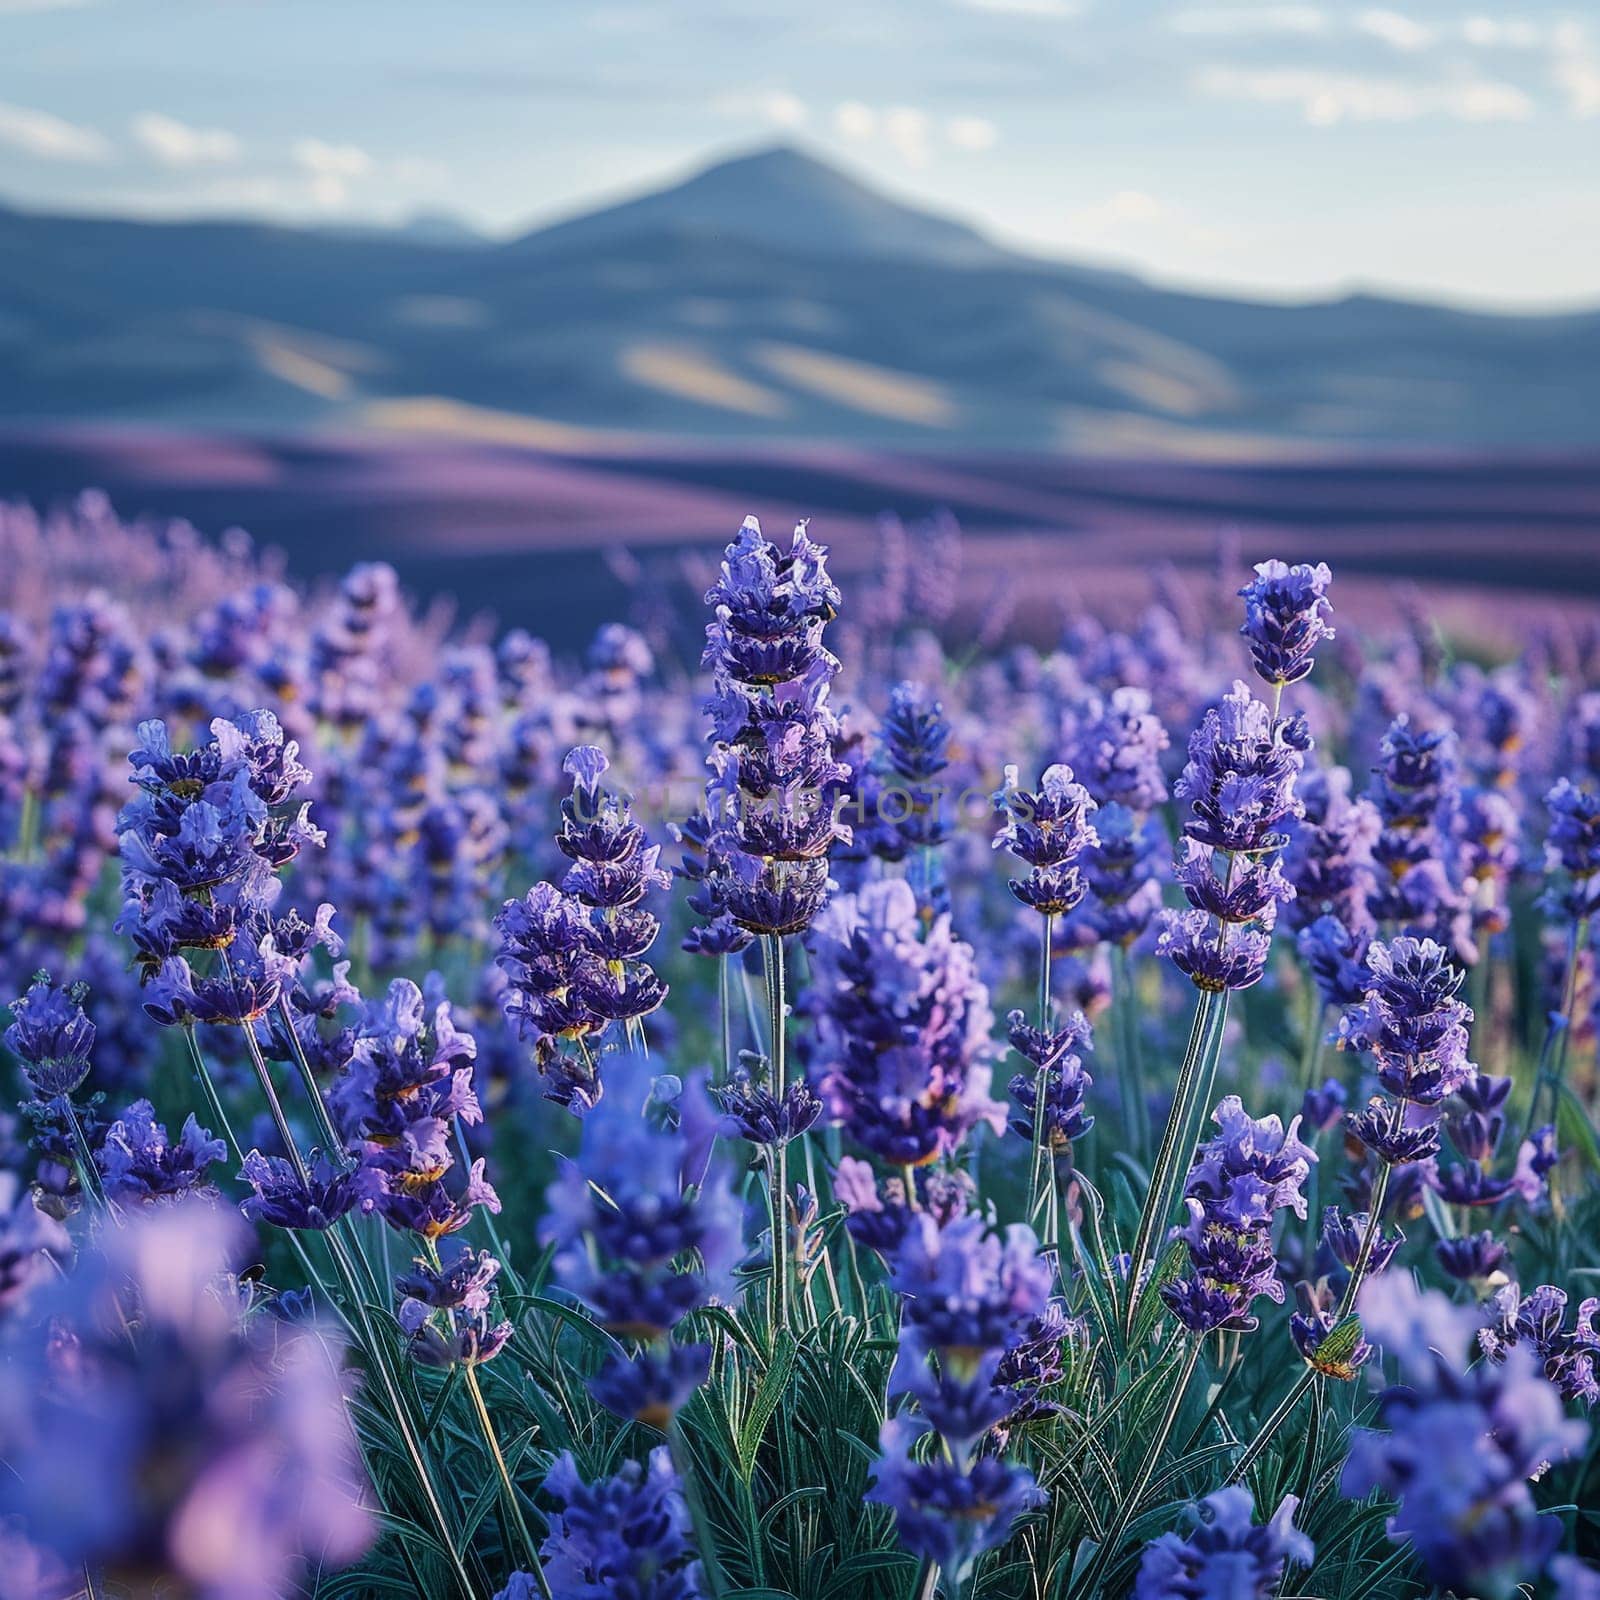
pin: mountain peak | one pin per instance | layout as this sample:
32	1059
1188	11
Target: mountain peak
780	195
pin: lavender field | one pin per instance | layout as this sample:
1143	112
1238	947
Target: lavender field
1013	1051
554	536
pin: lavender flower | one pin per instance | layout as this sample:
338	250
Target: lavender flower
158	1355
573	955
1242	1176
1285	619
1459	1445
903	1050
409	1081
644	1232
139	1164
52	1037
1047	830
1239	784
1416	1031
626	1537
1058	1067
1538	1321
1226	1551
776	778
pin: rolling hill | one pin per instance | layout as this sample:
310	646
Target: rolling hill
768	297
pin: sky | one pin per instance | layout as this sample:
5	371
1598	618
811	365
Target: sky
1438	149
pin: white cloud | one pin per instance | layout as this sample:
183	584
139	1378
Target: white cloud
332	167
777	106
906	129
42	134
910	132
1395	29
1026	8
1512	33
176	144
971	133
1113	216
1578	77
1227	21
1325	99
855	121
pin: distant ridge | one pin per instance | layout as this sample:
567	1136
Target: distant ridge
769	296
779	196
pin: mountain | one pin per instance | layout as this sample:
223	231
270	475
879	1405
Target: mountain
779	198
769	296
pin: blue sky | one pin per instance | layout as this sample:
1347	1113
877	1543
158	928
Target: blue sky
1286	148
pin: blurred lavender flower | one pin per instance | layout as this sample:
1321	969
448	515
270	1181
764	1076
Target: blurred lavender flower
1460	1444
1416	790
966	1298
644	1230
626	1537
1471	1258
1328	860
903	1050
941	1512
267	1479
33	1246
1226	1553
1572	850
1337	961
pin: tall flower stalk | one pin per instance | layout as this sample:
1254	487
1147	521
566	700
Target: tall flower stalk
776	788
1047	830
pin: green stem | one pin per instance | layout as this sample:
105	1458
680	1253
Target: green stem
1129	1507
724	1018
778	1188
1129	1076
332	1143
1369	1237
530	1551
27	823
1040	1168
83	1157
1198	1068
1311	1044
926	1583
1280	1415
682	1461
368	1336
1552	1072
